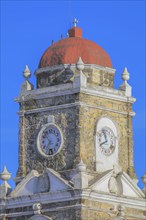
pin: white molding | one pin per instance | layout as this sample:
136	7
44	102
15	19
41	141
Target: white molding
111	110
133	191
17	214
132	185
47	92
70	88
108	93
37	110
125	201
86	66
62	196
20	185
48	108
57	175
26	213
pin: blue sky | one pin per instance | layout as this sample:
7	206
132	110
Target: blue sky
27	29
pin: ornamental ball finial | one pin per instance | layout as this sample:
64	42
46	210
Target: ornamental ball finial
81	166
120	213
5	175
125	74
144	182
26	72
144	178
80	64
37	208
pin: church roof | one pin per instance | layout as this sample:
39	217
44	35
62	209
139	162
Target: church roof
68	51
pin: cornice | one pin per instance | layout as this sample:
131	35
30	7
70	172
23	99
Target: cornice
70	195
70	88
70	105
86	66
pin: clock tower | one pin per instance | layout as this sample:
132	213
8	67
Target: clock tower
75	113
75	138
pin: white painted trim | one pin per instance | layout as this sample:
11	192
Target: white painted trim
130	202
68	88
17	214
49	108
57	175
51	91
26	213
61	196
111	94
111	110
37	110
90	66
33	173
132	185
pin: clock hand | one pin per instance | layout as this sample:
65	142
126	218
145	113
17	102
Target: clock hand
47	137
49	145
105	136
103	142
49	148
49	141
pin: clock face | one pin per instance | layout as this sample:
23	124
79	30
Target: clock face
49	140
106	141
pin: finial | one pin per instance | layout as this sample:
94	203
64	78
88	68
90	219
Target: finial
67	35
125	86
37	208
144	182
125	74
80	64
26	72
117	169
52	42
75	22
81	166
26	85
120	213
5	175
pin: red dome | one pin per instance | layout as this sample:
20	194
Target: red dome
68	51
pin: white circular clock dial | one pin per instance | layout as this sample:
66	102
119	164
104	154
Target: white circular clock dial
106	141
49	140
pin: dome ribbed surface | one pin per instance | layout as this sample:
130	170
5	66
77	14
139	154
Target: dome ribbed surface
68	51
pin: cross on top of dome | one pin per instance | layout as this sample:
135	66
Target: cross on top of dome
75	22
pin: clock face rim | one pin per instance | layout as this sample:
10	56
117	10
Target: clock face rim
39	149
99	144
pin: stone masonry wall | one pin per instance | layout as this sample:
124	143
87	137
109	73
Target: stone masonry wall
67	120
90	114
30	125
78	124
61	75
